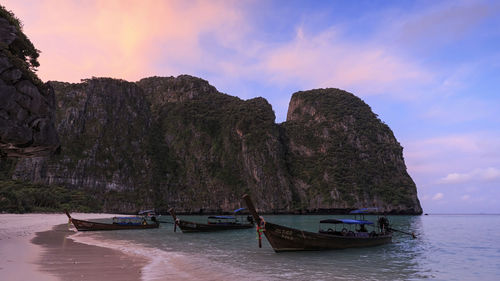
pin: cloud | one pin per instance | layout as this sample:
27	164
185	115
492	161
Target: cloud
454	151
444	23
488	174
462	143
327	58
456	178
133	39
465	197
457	112
123	39
438	196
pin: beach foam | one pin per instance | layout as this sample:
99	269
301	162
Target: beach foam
170	265
162	265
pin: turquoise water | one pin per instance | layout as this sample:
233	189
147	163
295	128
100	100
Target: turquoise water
448	247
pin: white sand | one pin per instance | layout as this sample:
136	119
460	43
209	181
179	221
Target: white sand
17	254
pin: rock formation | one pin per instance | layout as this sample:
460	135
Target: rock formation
340	155
26	105
179	142
104	128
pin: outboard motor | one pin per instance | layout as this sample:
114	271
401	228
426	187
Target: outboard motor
250	219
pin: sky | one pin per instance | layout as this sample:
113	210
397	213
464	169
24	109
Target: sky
429	69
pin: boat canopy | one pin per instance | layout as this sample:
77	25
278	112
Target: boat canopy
222	217
237	210
146	212
127	218
346	221
363	211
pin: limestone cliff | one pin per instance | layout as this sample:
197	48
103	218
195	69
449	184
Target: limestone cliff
26	105
179	142
342	156
104	126
211	147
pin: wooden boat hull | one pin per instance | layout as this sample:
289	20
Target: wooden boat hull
82	225
284	238
187	226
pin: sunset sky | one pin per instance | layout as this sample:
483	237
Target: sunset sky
429	69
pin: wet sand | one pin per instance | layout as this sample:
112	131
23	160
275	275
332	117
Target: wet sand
31	250
69	260
39	247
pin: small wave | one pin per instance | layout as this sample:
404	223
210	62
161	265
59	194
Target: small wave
170	265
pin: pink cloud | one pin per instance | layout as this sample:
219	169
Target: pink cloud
454	160
326	59
481	145
488	174
444	22
438	196
122	39
459	111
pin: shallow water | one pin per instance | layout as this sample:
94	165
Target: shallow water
448	247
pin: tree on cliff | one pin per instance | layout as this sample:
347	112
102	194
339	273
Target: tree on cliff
21	48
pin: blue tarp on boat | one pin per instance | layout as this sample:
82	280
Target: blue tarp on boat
346	221
222	217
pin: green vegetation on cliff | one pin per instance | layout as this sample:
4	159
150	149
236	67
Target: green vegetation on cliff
26	104
26	197
203	139
338	146
178	142
21	52
22	197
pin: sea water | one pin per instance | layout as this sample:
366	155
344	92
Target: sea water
447	247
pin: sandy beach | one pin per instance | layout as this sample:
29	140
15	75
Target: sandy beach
43	247
37	247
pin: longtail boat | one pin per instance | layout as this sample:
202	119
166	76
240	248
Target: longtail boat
214	223
118	224
284	238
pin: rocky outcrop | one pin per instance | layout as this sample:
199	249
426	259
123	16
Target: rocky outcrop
179	142
26	105
104	126
163	90
212	148
342	156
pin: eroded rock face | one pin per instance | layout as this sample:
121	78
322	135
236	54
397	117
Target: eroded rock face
178	142
162	90
104	126
342	156
212	147
26	109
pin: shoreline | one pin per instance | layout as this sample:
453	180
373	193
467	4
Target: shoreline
70	260
41	247
20	256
